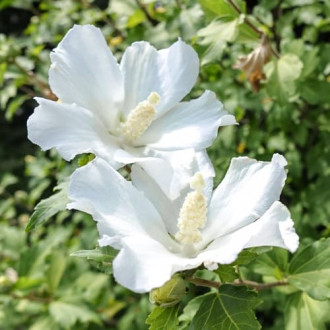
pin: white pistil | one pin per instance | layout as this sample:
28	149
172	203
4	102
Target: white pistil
140	118
193	213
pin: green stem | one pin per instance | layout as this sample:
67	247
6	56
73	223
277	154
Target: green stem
252	26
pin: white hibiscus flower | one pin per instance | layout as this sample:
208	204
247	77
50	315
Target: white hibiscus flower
158	237
129	112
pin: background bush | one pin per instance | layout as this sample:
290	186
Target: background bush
41	285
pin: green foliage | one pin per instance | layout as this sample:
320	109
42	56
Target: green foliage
281	77
49	207
53	277
310	270
231	307
303	312
163	318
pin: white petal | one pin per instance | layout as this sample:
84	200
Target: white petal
167	208
274	228
171	170
245	194
144	264
191	124
170	72
118	207
70	129
85	72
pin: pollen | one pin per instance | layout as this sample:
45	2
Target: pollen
193	212
140	118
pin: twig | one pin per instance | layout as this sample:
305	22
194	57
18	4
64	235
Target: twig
145	11
246	20
255	285
44	88
252	26
260	286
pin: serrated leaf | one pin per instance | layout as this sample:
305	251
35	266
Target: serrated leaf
245	257
215	36
281	76
163	318
230	308
273	263
49	207
310	270
303	312
226	273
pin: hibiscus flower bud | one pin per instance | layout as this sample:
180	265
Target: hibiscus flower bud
170	294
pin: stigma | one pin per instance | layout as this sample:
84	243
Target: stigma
193	212
140	118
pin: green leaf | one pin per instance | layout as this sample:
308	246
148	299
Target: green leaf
231	307
190	310
99	254
215	36
14	104
281	76
217	8
67	314
49	207
45	323
135	19
303	312
101	257
55	270
315	91
273	263
245	257
226	273
163	318
310	270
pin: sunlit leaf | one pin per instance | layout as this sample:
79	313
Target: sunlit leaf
281	76
310	270
231	307
49	207
163	318
303	312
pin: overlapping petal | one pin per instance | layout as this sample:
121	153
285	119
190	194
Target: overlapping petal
192	124
85	72
274	228
169	208
245	194
171	170
70	129
148	267
137	218
170	72
119	208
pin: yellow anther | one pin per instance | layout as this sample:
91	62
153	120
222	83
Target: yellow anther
193	213
140	118
154	98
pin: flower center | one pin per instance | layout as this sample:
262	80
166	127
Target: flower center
193	213
140	118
